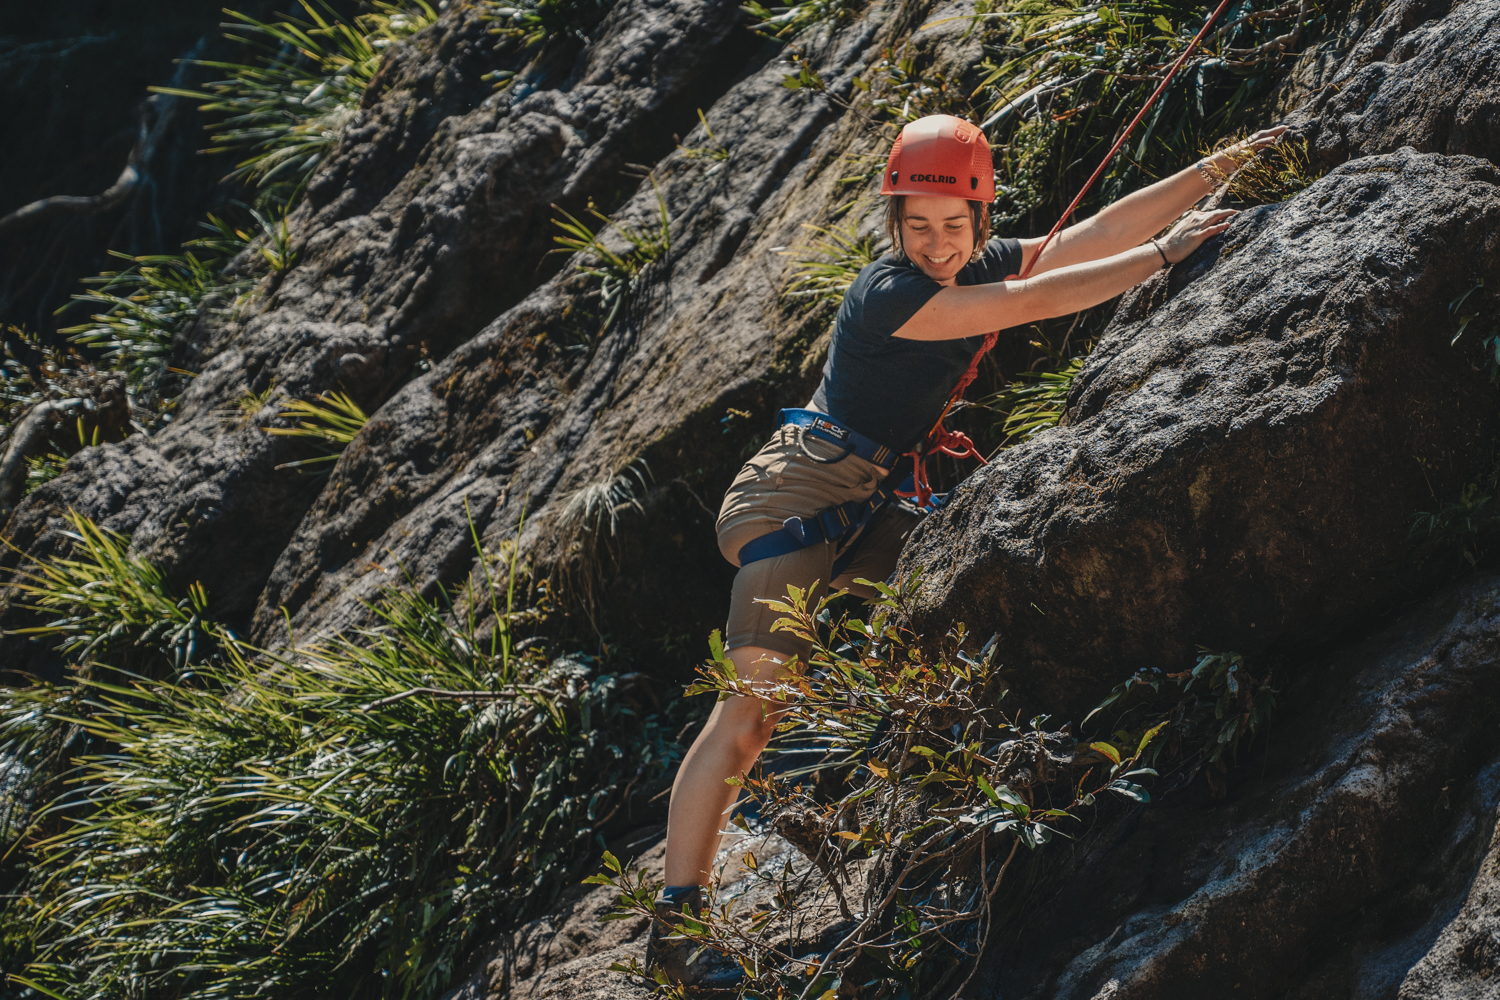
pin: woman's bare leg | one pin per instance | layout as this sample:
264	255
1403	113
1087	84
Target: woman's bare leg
729	744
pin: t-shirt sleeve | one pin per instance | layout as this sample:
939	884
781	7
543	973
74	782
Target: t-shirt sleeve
1001	259
885	295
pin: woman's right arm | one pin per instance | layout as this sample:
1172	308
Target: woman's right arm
972	310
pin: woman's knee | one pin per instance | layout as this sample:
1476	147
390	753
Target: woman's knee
746	724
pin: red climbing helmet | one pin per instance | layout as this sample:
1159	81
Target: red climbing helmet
941	155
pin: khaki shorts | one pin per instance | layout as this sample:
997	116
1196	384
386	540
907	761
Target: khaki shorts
779	482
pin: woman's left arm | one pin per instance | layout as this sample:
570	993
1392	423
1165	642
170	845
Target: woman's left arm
1138	216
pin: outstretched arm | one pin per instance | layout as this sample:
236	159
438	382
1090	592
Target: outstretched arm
1140	215
970	310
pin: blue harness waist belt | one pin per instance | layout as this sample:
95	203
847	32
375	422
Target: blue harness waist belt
821	425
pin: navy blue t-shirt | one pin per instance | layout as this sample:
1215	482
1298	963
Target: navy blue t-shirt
890	388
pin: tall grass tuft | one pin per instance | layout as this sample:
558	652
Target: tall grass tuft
535	23
332	422
1034	401
146	306
350	819
800	16
284	108
620	272
116	607
1276	174
827	266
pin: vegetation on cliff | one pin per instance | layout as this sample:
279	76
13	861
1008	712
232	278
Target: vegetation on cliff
358	816
190	814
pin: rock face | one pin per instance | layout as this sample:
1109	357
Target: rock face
1422	75
1339	864
1241	464
432	220
421	235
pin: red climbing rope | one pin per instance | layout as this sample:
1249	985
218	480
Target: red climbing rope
940	440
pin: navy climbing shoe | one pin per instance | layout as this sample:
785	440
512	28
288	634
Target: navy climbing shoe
680	959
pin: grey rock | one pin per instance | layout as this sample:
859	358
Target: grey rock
1332	870
1423	74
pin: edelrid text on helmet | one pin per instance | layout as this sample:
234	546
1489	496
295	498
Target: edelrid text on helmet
941	155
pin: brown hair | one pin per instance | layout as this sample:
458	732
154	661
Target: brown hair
895	209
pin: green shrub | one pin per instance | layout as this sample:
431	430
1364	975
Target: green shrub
940	789
620	272
282	111
349	819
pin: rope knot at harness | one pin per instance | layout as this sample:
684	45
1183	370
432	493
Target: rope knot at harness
940	440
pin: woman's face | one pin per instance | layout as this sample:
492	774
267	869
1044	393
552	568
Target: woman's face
938	233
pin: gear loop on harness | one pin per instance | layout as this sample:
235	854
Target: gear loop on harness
802	446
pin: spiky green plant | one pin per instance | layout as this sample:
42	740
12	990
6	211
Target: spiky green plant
801	16
1034	401
590	508
1276	174
111	605
584	515
284	108
620	272
42	469
145	306
826	267
711	150
534	23
332	421
344	820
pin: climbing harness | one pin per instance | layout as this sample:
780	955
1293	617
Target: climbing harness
836	524
942	441
952	158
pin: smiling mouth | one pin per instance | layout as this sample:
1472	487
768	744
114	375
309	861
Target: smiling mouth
939	261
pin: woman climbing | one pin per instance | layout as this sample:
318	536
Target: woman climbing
809	506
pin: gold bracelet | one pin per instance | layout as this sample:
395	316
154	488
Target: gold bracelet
1207	176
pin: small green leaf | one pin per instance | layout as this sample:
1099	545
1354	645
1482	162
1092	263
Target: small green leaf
1163	24
1130	791
1106	750
1150	735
